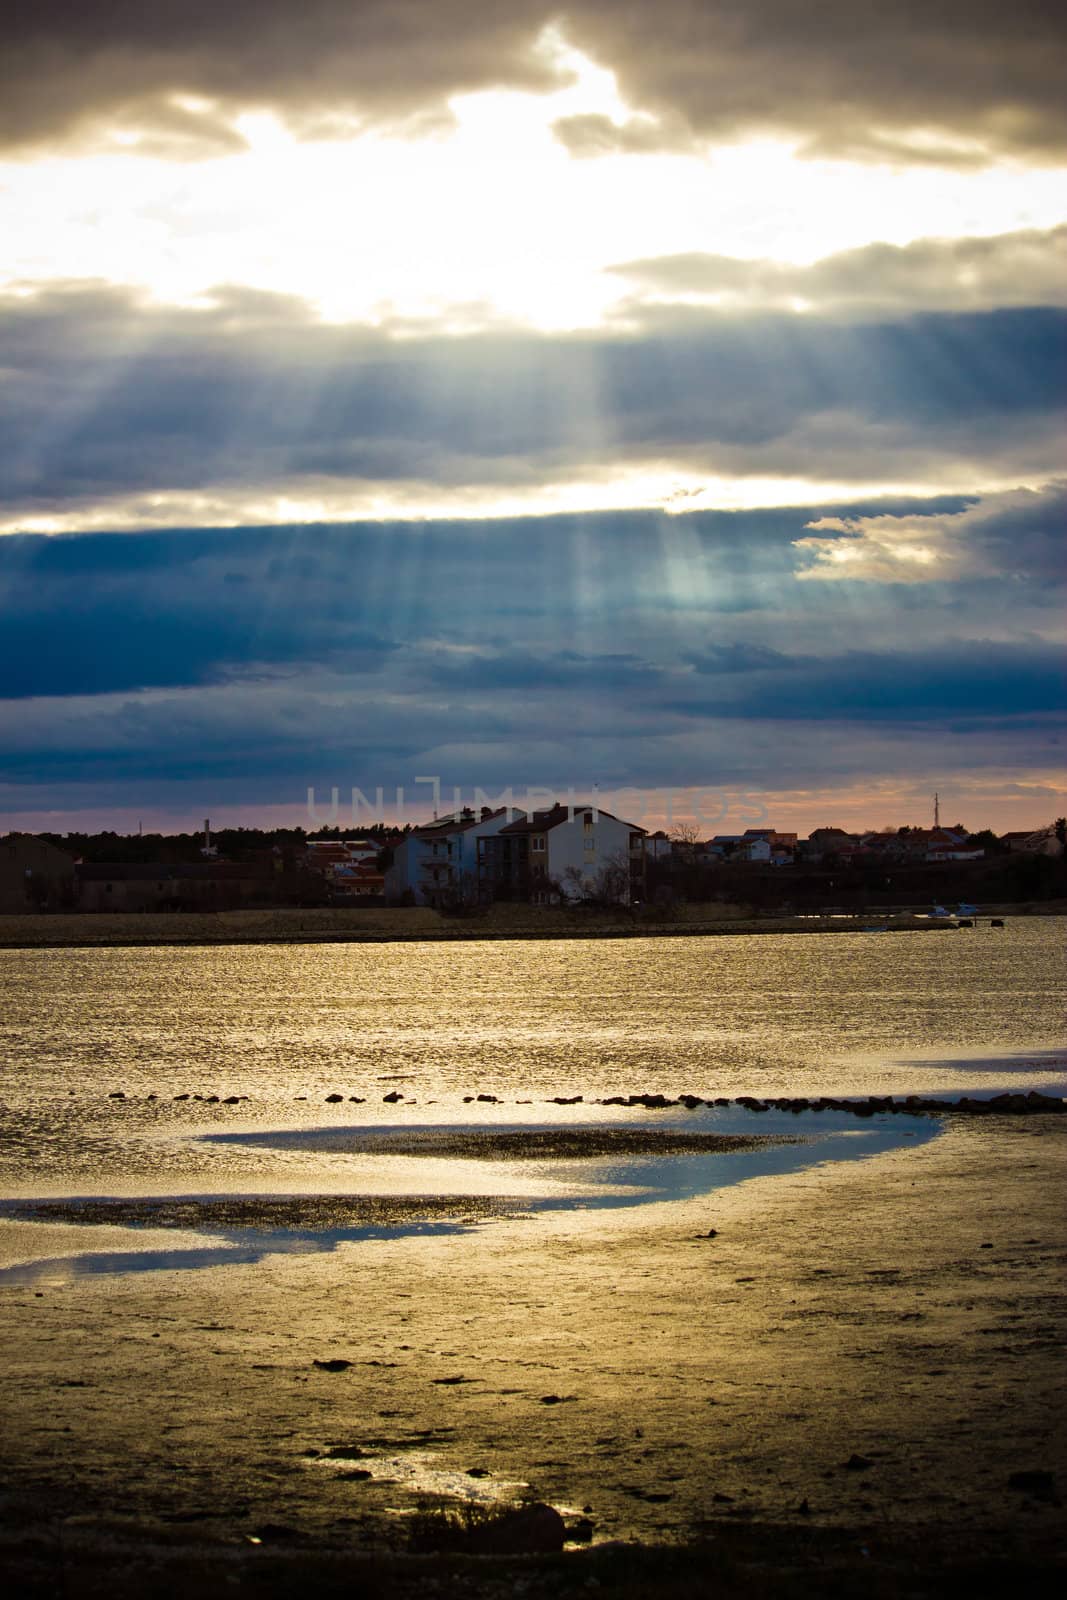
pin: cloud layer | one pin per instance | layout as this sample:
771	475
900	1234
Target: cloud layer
108	395
906	81
1028	268
637	649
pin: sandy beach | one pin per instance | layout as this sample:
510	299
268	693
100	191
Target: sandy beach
869	1349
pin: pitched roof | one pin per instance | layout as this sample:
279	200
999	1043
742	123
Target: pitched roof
544	821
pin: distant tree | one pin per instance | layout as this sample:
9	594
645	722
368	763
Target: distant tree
611	886
1059	828
987	840
463	897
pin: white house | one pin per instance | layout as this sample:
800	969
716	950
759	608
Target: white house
566	853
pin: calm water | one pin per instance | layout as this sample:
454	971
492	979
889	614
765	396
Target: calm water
971	1011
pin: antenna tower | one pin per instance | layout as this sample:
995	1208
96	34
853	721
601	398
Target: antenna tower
937	810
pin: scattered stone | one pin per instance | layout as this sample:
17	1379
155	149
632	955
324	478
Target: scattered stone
392	1097
357	1475
212	1100
332	1099
181	1097
489	1098
803	1509
117	1094
478	1472
721	1499
334	1364
230	1100
581	1531
557	1399
355	1099
450	1382
857	1463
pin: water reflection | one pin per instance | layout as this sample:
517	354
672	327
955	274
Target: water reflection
626	1183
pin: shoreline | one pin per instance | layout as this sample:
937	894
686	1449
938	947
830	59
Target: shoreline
127	930
865	1351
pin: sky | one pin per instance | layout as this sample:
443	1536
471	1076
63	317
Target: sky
662	402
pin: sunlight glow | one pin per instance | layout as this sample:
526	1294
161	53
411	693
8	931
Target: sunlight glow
641	488
486	220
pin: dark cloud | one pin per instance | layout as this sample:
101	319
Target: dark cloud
906	81
70	62
635	647
971	678
106	395
1028	268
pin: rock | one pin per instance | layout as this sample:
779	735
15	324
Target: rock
803	1509
478	1472
1036	1482
355	1099
332	1099
334	1364
1044	1102
230	1100
536	1529
392	1097
489	1098
556	1399
690	1101
857	1463
356	1475
181	1097
117	1094
580	1531
450	1382
720	1499
211	1100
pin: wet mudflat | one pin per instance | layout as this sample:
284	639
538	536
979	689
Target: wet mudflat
870	1349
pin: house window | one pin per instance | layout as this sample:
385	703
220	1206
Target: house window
538	842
